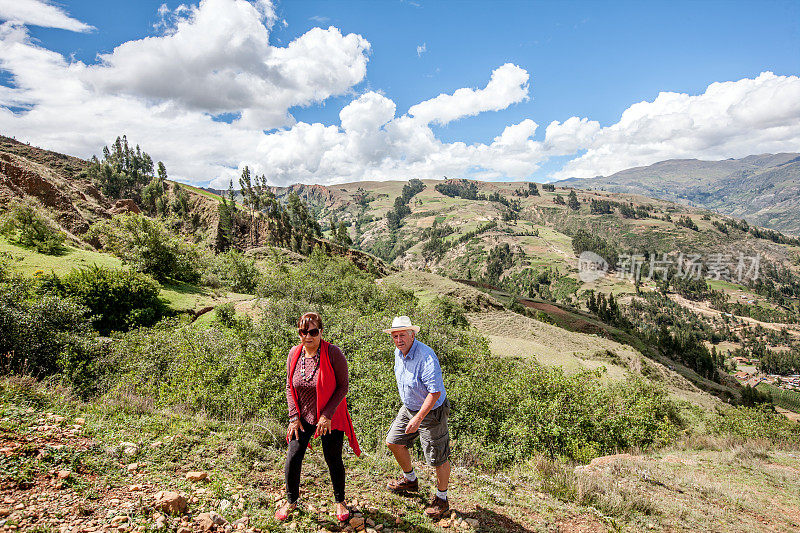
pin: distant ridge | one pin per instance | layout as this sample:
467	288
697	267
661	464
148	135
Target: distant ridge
763	189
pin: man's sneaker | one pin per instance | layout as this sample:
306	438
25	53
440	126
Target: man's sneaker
437	507
403	485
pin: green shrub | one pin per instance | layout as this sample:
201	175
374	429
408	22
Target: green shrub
148	247
761	422
118	299
25	226
226	314
35	329
232	270
81	367
503	410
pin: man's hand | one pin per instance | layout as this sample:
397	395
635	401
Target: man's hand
324	425
293	431
413	425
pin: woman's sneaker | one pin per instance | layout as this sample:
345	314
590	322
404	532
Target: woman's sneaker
403	485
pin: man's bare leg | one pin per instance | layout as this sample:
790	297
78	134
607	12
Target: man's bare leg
442	475
403	457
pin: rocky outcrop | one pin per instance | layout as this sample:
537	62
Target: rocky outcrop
126	205
19	180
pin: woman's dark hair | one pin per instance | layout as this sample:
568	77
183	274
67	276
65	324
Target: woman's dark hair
310	318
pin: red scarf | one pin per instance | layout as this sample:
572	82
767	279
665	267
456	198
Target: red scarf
326	384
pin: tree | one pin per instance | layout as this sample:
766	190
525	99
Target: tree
572	201
123	172
342	236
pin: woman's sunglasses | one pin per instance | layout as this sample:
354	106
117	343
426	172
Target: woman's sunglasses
303	332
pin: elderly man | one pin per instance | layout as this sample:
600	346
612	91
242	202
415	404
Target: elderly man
424	413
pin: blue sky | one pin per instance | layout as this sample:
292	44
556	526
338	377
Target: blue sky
589	60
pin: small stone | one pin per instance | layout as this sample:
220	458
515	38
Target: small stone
133	467
356	522
472	522
135	488
208	520
19	506
170	502
370	522
80	421
196	476
117	520
129	448
64	474
4	512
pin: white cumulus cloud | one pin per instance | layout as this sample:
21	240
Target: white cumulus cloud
40	13
730	119
217	58
509	85
166	92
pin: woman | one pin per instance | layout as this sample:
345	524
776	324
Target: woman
316	386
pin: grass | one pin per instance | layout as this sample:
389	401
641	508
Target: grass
702	483
183	296
180	296
28	262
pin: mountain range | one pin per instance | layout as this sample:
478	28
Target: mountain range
762	189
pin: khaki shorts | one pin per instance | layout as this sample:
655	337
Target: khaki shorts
433	433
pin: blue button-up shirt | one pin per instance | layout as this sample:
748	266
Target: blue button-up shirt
418	373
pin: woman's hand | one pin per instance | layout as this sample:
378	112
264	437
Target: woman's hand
324	425
293	431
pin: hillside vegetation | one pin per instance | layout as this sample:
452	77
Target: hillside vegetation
147	351
761	189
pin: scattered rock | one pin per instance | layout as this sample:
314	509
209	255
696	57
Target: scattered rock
208	520
129	448
126	205
64	474
196	476
356	522
170	502
4	512
80	421
133	467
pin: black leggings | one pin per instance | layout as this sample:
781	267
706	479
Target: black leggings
332	450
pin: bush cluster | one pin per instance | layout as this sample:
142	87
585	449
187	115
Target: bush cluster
232	270
503	410
118	299
147	246
25	226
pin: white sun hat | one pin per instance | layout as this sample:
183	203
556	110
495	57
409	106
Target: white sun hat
400	323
